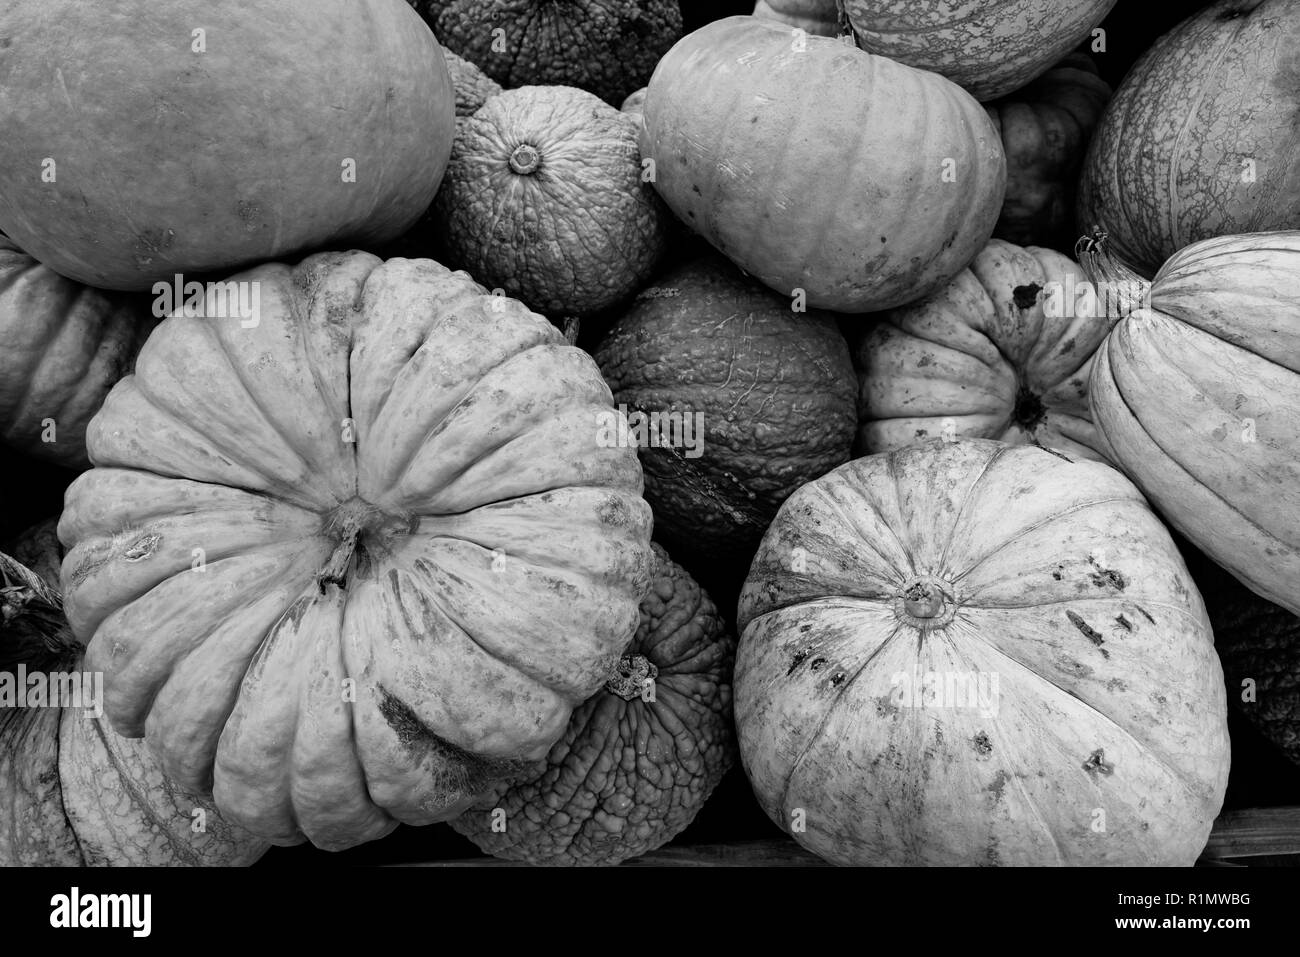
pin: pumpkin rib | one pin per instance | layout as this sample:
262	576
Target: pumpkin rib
845	517
967	498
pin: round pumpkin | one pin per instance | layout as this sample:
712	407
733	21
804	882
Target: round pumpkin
357	563
966	653
860	209
1201	137
990	47
144	140
1004	351
734	399
471	85
1197	395
818	17
65	346
639	758
544	199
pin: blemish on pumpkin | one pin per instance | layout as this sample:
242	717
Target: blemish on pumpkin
925	360
142	547
817	664
997	786
1146	614
838	679
1026	297
1088	631
983	745
1123	622
1057	575
1115	685
1106	577
1096	763
799	658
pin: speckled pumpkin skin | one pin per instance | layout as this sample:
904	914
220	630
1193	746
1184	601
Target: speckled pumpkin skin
1168	165
982	358
629	775
989	47
818	17
775	389
753	150
415	555
1056	579
1198	399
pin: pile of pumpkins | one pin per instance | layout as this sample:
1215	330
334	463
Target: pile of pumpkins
416	362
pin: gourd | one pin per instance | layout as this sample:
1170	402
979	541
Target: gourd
471	85
817	17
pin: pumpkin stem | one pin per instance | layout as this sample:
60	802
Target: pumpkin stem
634	672
923	600
32	624
525	159
345	525
925	603
1121	290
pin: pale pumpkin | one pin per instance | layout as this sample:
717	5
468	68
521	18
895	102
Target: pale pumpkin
856	209
351	566
818	17
971	653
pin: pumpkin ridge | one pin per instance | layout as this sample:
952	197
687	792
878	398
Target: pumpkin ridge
965	503
835	506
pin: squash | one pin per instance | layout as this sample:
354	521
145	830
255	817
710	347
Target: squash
144	140
990	47
471	85
734	399
1201	137
65	345
1004	351
818	17
356	563
640	757
1046	127
544	199
1197	396
634	105
969	652
607	48
858	210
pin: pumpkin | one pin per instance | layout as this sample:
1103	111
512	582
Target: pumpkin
606	47
72	792
544	199
858	210
990	47
145	140
634	105
818	17
1004	351
640	757
471	85
969	652
1046	127
353	565
1201	137
734	399
65	345
1197	396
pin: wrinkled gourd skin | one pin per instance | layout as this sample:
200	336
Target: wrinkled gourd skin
1201	137
1045	129
771	389
629	774
351	566
471	85
544	199
1048	589
983	358
606	47
817	17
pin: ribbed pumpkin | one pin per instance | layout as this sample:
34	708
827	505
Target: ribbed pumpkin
1197	395
1004	351
818	17
64	347
471	85
641	757
970	653
355	564
990	47
767	394
862	209
1201	137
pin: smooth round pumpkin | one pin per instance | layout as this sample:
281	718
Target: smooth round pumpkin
972	653
544	199
355	564
471	85
144	140
1197	396
861	209
640	757
989	47
1046	127
1201	138
818	17
1003	351
64	346
735	399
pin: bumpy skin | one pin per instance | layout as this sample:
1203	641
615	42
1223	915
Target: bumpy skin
416	555
990	47
628	776
818	17
571	231
606	47
775	389
471	85
1058	582
1046	128
171	160
65	346
1201	137
982	358
1198	399
754	151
